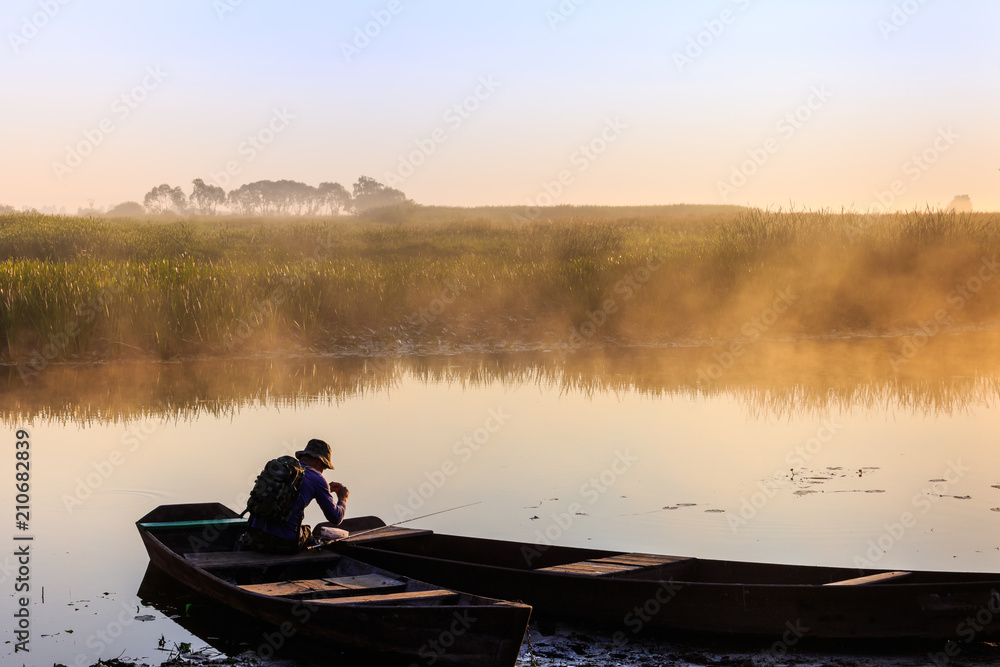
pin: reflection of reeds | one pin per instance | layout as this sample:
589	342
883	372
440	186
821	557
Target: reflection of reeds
218	286
950	375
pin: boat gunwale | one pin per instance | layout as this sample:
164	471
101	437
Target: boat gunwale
616	577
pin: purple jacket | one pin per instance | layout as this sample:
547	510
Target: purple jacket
313	486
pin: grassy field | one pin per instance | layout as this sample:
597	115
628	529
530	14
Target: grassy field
492	278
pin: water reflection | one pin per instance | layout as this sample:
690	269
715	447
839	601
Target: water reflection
794	452
947	375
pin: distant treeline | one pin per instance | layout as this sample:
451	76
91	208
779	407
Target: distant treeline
268	198
262	198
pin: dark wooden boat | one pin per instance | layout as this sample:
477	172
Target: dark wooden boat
329	596
629	592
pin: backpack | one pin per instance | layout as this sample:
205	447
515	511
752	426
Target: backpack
276	489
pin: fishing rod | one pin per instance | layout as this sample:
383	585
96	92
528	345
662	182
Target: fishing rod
392	525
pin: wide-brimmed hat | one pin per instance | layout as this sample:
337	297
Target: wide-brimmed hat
318	450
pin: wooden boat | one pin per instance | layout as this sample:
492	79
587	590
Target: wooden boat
629	592
329	596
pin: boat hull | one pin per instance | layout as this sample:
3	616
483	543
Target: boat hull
745	599
478	631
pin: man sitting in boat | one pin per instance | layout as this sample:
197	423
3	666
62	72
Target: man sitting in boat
291	536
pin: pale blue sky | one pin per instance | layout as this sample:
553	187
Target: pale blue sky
687	130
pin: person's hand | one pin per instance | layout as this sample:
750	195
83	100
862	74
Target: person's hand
340	491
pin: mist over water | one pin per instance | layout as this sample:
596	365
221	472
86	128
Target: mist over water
942	372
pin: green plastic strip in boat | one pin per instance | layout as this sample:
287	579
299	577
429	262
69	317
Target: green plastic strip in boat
178	525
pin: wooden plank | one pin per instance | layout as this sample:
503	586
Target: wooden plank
608	568
388	533
434	595
631	563
287	588
329	587
614	564
572	568
222	559
871	579
177	525
589	568
642	560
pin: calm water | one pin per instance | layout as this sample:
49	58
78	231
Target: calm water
801	452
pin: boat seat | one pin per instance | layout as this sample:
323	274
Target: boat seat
441	595
224	559
618	564
306	589
870	579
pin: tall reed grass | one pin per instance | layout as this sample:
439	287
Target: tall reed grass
75	288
